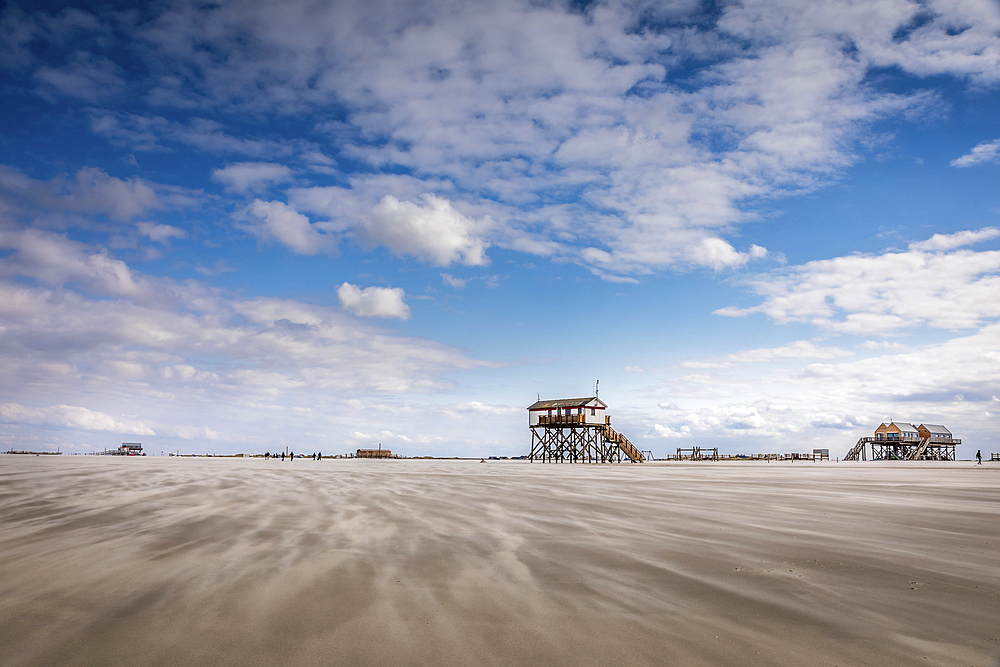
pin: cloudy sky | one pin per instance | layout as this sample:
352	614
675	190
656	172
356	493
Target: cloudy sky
764	225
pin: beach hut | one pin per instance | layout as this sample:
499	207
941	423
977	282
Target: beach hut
902	441
373	454
591	410
576	430
936	432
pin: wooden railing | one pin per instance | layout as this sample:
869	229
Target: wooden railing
628	449
553	420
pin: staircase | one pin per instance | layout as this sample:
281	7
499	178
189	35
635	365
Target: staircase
628	449
921	448
857	452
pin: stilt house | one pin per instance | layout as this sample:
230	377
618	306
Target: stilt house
576	430
902	441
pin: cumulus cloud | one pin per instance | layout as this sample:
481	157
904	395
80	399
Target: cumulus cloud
800	349
160	233
717	254
666	432
956	240
275	220
452	280
468	98
245	176
184	360
373	301
987	151
431	230
55	260
90	190
796	402
933	284
72	416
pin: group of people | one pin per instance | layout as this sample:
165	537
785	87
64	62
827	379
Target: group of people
316	456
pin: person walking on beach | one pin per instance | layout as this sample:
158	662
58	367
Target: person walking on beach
282	456
979	457
291	455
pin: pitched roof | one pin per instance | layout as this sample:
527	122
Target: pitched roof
936	428
905	426
590	402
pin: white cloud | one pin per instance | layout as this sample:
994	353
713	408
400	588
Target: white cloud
279	221
931	284
88	191
795	404
55	260
155	133
452	280
509	107
433	231
717	254
159	232
667	432
373	301
245	176
800	349
86	76
987	151
71	416
956	240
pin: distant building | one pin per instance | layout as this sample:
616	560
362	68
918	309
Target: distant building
130	449
576	430
902	441
373	454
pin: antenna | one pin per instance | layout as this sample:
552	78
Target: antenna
597	389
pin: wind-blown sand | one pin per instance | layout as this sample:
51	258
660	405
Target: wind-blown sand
158	561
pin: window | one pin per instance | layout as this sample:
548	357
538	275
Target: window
593	411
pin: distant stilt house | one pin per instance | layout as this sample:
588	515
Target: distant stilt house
373	454
129	449
576	430
903	441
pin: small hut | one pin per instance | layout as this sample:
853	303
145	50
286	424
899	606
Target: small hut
576	430
373	454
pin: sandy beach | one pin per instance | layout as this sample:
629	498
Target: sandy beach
160	561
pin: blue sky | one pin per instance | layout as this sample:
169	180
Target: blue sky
235	227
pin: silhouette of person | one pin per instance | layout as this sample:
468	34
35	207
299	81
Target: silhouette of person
282	456
319	456
291	455
979	457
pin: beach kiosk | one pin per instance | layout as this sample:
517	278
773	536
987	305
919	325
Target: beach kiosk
576	430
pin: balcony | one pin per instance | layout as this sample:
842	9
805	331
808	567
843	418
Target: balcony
561	420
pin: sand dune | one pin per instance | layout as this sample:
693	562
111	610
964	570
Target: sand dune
158	561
